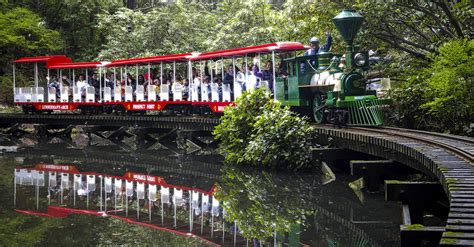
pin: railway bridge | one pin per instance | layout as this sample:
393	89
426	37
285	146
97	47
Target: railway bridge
447	162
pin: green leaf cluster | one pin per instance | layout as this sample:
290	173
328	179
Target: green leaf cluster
440	97
258	131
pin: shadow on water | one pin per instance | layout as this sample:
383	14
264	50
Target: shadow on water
179	200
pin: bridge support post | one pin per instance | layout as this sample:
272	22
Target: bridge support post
371	170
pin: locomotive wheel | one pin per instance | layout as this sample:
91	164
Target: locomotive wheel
318	109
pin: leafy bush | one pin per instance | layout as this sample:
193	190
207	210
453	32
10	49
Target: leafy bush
440	97
258	131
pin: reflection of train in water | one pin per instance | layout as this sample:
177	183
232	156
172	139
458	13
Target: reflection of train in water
76	191
200	82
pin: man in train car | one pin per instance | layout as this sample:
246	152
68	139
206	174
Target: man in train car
315	48
94	81
229	77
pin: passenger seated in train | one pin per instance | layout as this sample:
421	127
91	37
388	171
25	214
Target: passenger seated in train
54	83
130	81
185	89
229	77
94	81
265	74
81	85
141	80
108	80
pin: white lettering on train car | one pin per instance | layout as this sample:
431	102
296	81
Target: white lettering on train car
54	107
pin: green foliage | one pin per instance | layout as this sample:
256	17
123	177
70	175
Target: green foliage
23	33
258	131
450	103
440	97
261	202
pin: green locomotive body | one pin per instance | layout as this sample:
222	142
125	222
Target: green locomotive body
329	92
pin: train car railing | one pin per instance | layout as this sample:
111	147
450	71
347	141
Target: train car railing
118	94
140	93
107	94
164	92
151	91
51	94
128	93
64	94
90	94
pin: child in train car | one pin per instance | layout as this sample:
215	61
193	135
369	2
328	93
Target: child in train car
196	87
206	84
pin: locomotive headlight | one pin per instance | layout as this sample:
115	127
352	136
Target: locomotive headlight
360	59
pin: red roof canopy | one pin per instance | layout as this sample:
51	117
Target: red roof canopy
154	59
77	65
49	60
265	48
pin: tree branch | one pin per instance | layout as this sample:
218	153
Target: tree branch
398	46
454	22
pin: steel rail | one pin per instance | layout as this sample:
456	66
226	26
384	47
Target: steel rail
398	132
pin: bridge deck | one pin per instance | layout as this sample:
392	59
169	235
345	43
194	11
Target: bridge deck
152	121
445	157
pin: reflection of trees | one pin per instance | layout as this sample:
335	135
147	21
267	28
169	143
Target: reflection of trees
259	201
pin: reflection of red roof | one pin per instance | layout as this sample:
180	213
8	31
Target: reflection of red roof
265	48
76	65
154	59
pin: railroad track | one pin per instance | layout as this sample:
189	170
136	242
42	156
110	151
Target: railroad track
458	145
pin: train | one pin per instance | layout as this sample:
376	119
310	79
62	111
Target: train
332	88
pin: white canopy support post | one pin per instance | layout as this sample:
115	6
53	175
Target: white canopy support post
161	74
101	180
73	78
14	81
136	76
138	206
246	67
37	192
174	72
190	211
100	84
60	79
274	74
212	76
174	209
121	75
87	193
126	76
222	69
202	214
115	79
190	80
235	233
74	189
149	74
87	76
14	178
233	70
126	204
36	75
162	209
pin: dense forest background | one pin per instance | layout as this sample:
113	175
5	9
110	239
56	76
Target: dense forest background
425	47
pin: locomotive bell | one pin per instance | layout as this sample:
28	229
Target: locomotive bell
348	23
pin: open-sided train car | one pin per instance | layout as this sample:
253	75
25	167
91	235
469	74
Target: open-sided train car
328	87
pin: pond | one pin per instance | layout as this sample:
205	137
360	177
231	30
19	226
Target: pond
52	195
